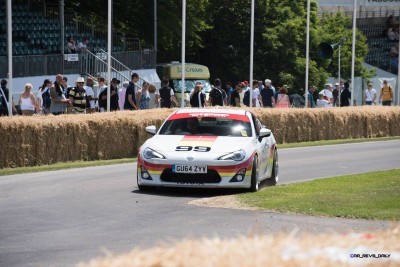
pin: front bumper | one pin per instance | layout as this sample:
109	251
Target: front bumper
220	174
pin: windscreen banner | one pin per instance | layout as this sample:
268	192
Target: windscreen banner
393	3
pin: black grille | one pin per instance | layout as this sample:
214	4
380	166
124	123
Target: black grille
211	177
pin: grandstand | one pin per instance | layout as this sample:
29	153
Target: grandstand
371	19
378	44
38	40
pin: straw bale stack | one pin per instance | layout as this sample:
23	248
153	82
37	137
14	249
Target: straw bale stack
38	140
285	249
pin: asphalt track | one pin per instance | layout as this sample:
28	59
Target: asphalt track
61	218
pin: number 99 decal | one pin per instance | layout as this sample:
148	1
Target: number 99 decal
196	148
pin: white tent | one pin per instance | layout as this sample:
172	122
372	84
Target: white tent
364	5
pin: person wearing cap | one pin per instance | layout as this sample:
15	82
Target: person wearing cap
386	95
4	94
335	94
327	91
90	104
59	102
77	96
311	102
370	95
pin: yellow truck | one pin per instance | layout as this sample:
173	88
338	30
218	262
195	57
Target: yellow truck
193	73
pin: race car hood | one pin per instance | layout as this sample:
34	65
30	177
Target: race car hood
166	144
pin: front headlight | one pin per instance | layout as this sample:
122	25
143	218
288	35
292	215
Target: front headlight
236	156
149	153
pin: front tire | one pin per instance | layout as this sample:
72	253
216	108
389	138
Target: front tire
275	170
142	187
255	185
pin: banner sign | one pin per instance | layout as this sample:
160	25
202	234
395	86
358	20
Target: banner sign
393	3
71	57
102	56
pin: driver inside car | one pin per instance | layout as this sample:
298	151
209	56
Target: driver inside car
193	126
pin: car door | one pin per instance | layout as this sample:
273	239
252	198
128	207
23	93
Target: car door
262	146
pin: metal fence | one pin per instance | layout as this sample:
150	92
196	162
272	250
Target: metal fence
26	66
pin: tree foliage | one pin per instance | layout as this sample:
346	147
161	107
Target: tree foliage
218	35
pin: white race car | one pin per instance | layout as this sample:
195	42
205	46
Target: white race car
209	148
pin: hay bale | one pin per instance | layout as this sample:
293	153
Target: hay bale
285	249
39	140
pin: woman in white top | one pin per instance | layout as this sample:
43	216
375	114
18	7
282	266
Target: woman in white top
27	101
154	96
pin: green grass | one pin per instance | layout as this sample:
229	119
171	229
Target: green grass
64	165
337	142
373	195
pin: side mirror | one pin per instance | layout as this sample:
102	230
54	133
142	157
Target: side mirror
151	130
264	132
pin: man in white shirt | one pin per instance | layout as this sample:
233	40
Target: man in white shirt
370	95
122	94
82	46
322	101
90	95
328	92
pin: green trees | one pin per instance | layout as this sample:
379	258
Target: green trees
280	42
218	35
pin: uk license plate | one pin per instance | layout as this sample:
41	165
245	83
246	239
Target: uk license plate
189	169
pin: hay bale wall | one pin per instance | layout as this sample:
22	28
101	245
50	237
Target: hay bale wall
38	140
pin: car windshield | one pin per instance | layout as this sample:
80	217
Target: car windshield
207	126
190	84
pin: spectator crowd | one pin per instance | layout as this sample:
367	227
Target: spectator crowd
59	98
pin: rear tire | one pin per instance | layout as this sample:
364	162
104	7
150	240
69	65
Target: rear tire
254	187
275	170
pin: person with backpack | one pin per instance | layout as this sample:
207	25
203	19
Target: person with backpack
43	99
167	95
246	96
217	95
386	94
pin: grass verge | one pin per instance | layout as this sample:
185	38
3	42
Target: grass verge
372	195
337	142
65	165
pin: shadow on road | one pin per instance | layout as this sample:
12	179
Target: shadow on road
188	192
